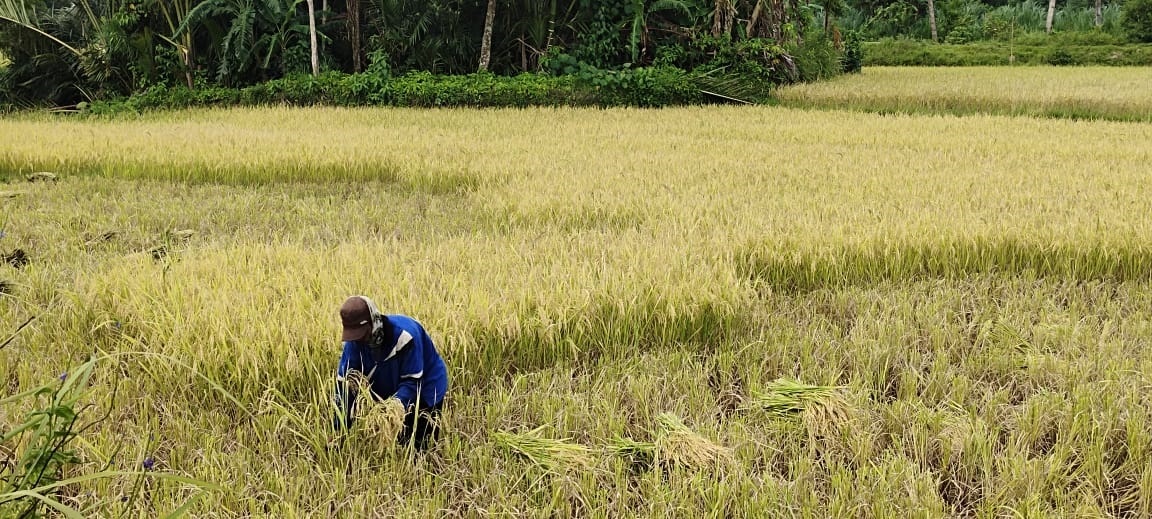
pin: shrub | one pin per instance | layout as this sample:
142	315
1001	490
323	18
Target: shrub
916	53
1061	56
853	59
646	87
817	59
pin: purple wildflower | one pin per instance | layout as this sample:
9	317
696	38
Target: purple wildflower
149	462
64	376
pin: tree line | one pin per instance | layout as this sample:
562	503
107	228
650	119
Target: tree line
66	50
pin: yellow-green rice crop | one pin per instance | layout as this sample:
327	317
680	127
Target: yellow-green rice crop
1115	93
977	288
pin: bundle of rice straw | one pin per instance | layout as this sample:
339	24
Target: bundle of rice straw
785	397
823	408
639	453
380	419
553	455
677	445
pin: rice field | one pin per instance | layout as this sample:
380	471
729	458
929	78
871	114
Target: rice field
695	312
1108	93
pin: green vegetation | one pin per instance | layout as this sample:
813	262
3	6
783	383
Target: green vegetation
730	311
643	87
897	53
1137	20
1112	93
194	52
967	21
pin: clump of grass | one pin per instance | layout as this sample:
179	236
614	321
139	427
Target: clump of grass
553	455
679	446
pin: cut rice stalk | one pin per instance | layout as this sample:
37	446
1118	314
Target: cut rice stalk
677	445
784	397
381	420
553	455
639	453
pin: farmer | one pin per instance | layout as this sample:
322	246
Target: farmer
401	363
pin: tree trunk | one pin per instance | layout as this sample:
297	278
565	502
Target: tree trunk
754	18
1099	14
778	14
188	61
354	35
312	38
723	18
1051	13
797	20
486	41
932	20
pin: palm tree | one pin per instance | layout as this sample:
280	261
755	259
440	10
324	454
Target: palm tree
258	33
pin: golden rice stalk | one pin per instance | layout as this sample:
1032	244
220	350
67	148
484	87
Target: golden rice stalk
553	455
823	409
637	452
677	445
825	418
785	397
380	420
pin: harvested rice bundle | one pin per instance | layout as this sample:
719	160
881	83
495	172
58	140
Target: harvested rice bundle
553	455
639	453
785	397
677	445
381	420
823	408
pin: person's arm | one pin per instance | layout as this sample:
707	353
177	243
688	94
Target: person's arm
345	396
411	371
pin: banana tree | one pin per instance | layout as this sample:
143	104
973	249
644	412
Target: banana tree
639	36
259	33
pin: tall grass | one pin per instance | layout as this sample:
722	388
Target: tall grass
613	291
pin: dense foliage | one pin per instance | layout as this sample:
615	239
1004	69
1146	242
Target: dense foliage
1138	19
965	21
1029	51
67	52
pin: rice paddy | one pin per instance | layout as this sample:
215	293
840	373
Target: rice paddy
1109	93
711	311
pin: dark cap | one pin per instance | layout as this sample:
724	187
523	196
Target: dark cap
356	318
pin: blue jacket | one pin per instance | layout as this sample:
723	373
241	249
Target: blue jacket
400	361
